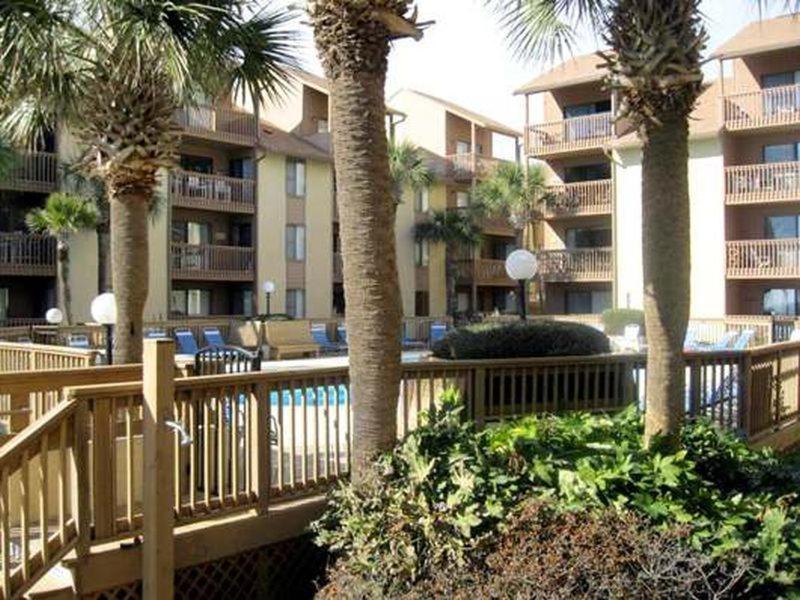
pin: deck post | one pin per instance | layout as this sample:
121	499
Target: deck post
261	450
158	550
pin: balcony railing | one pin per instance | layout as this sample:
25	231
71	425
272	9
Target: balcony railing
463	167
763	259
577	133
218	263
581	198
484	271
771	182
763	108
212	192
27	254
221	124
584	264
32	172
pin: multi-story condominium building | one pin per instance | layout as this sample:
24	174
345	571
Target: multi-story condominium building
463	147
744	182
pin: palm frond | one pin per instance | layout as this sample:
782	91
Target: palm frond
62	214
513	192
451	227
408	167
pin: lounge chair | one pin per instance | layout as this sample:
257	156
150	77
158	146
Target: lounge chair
288	339
186	342
78	340
319	331
155	334
690	342
744	339
213	337
411	343
725	341
438	331
341	333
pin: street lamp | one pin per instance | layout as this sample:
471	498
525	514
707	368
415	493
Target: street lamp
521	265
104	311
269	289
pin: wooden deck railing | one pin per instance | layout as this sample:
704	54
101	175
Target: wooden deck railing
206	261
584	264
248	441
27	254
218	123
769	182
484	271
763	259
763	108
212	192
468	165
577	133
15	357
578	199
32	172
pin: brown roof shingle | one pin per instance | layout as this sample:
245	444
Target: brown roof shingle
762	36
586	68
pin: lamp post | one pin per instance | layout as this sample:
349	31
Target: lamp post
269	289
104	311
521	265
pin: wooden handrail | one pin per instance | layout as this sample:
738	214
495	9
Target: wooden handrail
27	254
580	198
579	264
32	171
218	122
214	192
763	108
207	261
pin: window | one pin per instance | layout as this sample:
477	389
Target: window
590	108
421	303
421	253
242	168
586	302
295	242
191	303
773	80
591	172
197	164
422	200
191	232
243	303
462	199
463	147
782	226
781	302
322	126
3	304
295	178
296	303
781	153
588	238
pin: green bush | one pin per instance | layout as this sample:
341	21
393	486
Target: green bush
444	496
616	319
521	340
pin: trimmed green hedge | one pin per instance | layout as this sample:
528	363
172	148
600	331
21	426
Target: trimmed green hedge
521	340
616	319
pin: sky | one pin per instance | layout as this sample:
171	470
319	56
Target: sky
464	58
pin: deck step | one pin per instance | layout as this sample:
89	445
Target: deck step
57	584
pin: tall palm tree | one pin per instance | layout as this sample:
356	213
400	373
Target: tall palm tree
353	38
8	159
655	67
115	73
407	168
457	230
62	216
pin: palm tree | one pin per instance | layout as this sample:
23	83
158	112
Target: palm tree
407	168
457	230
115	73
654	66
353	39
7	159
62	216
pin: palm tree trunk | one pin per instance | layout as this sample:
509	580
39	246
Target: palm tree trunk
666	263
371	283
129	259
62	268
104	283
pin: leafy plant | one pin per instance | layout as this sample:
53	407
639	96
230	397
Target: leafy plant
616	319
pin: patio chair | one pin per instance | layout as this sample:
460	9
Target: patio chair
438	331
725	341
155	334
213	337
186	342
78	340
690	342
744	340
341	333
218	360
319	332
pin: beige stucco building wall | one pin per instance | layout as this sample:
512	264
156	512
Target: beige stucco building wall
319	239
271	230
404	235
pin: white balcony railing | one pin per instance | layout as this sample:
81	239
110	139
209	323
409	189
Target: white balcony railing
763	259
770	182
577	133
763	108
580	198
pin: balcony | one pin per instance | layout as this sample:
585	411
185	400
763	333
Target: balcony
218	124
463	167
584	198
584	264
212	192
484	271
27	254
32	172
763	259
212	263
591	132
762	183
772	107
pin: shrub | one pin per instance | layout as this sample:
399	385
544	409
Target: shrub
616	319
521	340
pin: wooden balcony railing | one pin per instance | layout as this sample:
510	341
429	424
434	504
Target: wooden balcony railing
217	123
27	254
32	172
763	108
212	192
584	264
577	133
769	182
484	271
218	263
763	259
578	199
462	167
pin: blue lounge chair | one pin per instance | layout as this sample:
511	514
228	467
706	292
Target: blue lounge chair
213	337
725	341
186	342
319	332
690	342
438	331
155	334
341	333
410	343
78	340
744	339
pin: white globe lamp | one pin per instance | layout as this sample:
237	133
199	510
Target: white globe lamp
269	288
104	311
522	265
54	316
